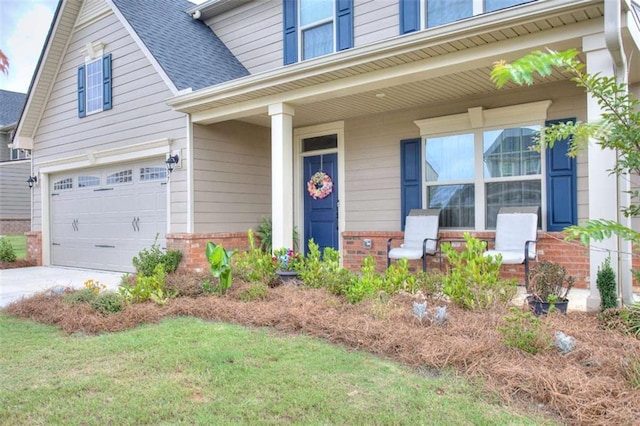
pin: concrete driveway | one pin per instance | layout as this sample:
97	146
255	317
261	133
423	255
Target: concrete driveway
23	282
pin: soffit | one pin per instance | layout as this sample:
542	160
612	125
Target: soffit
374	64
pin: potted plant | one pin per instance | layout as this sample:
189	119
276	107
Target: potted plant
549	286
287	262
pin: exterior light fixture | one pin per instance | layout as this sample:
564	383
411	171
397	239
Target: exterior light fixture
32	181
172	161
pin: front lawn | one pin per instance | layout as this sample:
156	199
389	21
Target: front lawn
189	371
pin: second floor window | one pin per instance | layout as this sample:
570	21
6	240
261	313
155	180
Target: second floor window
315	28
420	14
20	154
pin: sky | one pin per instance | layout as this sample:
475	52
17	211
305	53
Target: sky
23	28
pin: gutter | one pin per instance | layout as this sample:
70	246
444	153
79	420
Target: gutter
613	41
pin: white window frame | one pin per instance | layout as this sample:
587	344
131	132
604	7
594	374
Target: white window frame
89	90
16	154
302	29
478	9
477	121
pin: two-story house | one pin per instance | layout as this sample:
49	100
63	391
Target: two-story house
249	99
15	169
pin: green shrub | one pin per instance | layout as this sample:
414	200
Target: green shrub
397	277
254	265
7	252
368	284
524	331
146	287
473	281
147	260
85	295
323	270
107	303
607	286
257	291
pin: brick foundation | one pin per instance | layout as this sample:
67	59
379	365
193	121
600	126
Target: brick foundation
34	247
14	226
551	246
193	246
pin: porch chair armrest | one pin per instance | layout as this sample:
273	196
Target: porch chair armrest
526	249
526	262
425	254
389	248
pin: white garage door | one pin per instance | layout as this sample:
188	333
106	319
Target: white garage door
101	218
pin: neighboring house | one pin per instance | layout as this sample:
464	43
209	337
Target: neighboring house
256	96
15	169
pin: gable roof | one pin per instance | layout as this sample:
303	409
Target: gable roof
11	104
188	51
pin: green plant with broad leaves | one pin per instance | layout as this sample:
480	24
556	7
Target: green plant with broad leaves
524	331
220	265
265	233
473	281
618	129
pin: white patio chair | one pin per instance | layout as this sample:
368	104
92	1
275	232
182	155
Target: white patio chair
420	237
516	237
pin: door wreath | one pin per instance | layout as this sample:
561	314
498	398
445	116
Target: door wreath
320	186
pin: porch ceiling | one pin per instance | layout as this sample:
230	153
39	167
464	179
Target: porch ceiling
436	65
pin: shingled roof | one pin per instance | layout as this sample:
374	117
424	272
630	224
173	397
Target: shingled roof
11	104
186	48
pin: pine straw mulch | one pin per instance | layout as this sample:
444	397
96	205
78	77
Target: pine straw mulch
586	386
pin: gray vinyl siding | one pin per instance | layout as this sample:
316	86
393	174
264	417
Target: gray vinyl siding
139	112
232	176
372	152
254	34
90	8
15	195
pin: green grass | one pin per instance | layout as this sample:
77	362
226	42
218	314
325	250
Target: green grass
19	244
187	371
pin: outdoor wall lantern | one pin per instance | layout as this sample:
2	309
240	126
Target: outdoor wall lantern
172	162
32	181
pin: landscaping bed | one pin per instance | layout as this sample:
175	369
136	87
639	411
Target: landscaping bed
592	384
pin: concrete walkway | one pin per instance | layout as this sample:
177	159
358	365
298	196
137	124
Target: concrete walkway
23	282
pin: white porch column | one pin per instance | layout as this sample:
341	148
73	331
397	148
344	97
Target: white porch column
281	175
603	189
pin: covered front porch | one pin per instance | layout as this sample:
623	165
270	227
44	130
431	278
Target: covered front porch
366	101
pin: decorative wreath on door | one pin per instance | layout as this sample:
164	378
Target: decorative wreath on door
320	186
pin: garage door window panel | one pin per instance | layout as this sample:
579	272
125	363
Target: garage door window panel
88	181
121	177
63	184
152	173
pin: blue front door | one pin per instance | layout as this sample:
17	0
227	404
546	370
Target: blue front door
321	213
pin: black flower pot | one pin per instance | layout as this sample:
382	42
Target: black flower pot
542	308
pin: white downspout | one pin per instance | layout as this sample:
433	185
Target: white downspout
613	41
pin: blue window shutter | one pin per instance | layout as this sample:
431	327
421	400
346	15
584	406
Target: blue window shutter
344	26
82	99
562	194
290	31
409	16
410	176
106	82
